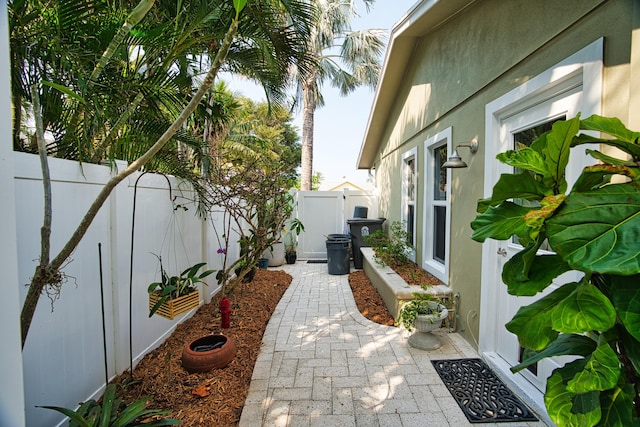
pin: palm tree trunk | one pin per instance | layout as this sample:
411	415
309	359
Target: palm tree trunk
308	111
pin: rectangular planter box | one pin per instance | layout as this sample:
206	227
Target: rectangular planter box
174	307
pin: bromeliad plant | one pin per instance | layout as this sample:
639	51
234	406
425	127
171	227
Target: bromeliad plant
113	412
594	229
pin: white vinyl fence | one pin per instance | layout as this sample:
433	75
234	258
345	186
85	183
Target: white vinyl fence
64	359
327	212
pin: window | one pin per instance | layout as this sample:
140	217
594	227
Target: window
437	208
409	173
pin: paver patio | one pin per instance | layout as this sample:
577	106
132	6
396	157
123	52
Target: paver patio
324	364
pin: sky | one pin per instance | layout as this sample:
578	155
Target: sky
340	125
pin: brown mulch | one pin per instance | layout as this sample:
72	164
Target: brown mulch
161	376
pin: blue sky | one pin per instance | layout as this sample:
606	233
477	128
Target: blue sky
341	123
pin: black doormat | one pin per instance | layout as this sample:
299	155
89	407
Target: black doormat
317	261
481	395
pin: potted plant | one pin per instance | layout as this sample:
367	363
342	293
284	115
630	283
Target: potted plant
295	228
425	314
174	295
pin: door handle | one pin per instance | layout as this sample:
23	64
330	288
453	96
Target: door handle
502	251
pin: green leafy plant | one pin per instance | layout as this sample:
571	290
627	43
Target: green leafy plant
171	287
295	228
113	412
392	249
594	229
423	304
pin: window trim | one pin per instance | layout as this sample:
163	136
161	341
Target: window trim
429	263
404	214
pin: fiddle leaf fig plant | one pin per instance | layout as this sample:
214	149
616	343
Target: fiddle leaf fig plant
592	228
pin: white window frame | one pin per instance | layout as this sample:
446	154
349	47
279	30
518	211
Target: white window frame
429	263
406	157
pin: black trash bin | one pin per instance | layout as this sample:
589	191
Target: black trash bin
338	254
361	228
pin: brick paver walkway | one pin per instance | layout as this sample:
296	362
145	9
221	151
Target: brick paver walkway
324	364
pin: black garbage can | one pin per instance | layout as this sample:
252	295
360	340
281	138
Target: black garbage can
361	228
338	254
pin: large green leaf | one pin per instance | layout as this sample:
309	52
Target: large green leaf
631	349
520	186
625	295
541	273
617	407
524	158
564	345
612	126
585	309
532	323
601	371
500	222
536	218
565	408
556	151
599	230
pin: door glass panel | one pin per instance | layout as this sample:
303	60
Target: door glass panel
527	137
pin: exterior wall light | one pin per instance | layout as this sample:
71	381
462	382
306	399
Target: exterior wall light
455	161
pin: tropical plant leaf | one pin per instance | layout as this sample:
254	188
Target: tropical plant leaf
564	345
556	152
585	309
625	295
500	223
535	218
617	407
599	230
107	405
565	408
611	126
533	323
520	186
631	349
73	416
524	158
601	371
528	281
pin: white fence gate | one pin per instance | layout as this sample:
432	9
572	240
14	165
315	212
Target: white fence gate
327	212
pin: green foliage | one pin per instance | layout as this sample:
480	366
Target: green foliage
113	412
171	287
392	249
423	304
594	229
295	228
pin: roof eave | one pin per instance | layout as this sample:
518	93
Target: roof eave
422	18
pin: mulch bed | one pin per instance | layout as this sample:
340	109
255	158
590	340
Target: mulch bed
216	398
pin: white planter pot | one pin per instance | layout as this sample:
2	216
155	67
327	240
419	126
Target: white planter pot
424	324
275	254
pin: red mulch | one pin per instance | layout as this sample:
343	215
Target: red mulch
161	376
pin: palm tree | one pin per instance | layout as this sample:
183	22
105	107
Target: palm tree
345	58
102	102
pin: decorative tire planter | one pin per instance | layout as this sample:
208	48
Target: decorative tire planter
209	352
424	324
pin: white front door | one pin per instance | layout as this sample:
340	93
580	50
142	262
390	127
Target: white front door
570	87
523	128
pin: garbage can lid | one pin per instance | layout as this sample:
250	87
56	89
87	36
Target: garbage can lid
366	221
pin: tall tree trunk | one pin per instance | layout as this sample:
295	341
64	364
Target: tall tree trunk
308	111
